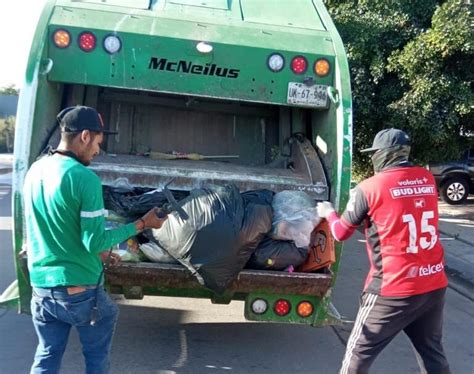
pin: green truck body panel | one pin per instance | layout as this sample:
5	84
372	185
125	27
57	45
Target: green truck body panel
160	86
164	58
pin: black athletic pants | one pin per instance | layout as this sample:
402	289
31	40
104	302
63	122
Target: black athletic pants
380	319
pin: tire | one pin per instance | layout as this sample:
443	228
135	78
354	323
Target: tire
455	191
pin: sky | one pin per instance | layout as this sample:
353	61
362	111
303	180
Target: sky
18	21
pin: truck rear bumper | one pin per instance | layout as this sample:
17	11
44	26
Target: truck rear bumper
167	277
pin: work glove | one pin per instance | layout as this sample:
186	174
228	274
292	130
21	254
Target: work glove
324	209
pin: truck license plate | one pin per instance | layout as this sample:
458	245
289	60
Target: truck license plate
301	94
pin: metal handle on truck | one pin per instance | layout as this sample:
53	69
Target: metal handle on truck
333	95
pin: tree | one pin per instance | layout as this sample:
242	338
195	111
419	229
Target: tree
437	73
9	90
409	69
7	134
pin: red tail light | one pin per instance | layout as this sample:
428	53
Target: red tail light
87	41
299	65
282	307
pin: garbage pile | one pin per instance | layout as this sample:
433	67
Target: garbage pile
217	231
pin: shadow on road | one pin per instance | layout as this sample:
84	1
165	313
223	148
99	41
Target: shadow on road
158	340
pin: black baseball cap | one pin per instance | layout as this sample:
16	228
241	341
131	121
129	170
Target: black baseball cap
388	138
79	118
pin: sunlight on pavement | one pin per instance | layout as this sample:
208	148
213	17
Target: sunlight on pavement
183	356
218	367
456	220
6	179
4	191
6	223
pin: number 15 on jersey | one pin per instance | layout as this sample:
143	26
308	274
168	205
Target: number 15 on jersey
426	238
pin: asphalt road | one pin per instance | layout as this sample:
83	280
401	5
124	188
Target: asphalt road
168	335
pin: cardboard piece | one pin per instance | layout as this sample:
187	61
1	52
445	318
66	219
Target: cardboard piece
321	251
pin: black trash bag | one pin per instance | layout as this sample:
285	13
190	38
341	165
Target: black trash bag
219	273
135	203
219	236
262	197
277	255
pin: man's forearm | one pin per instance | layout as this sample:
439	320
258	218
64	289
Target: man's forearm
340	230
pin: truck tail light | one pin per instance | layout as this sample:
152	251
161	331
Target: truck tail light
61	38
304	309
275	62
112	44
87	41
282	307
299	64
321	67
259	306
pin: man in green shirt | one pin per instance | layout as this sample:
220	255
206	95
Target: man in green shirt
67	243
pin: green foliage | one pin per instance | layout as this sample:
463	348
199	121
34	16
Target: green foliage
436	69
7	134
410	69
7	125
9	90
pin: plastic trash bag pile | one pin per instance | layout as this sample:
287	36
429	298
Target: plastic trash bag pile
224	230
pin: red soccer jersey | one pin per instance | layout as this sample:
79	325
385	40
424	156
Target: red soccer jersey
405	253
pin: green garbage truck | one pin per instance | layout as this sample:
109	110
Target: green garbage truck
265	82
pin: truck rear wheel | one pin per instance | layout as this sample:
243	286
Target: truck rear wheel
455	191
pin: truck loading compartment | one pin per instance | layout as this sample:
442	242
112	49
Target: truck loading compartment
268	157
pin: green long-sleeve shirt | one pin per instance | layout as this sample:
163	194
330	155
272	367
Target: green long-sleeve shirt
64	212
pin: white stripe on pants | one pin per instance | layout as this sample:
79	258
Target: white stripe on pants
364	311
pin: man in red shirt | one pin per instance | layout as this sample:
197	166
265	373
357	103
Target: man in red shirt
406	284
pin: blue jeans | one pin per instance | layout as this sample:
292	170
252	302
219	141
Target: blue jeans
54	311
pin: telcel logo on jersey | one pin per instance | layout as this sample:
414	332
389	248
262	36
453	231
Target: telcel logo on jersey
424	271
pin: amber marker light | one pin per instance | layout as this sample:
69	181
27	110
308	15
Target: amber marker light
304	309
61	38
321	67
